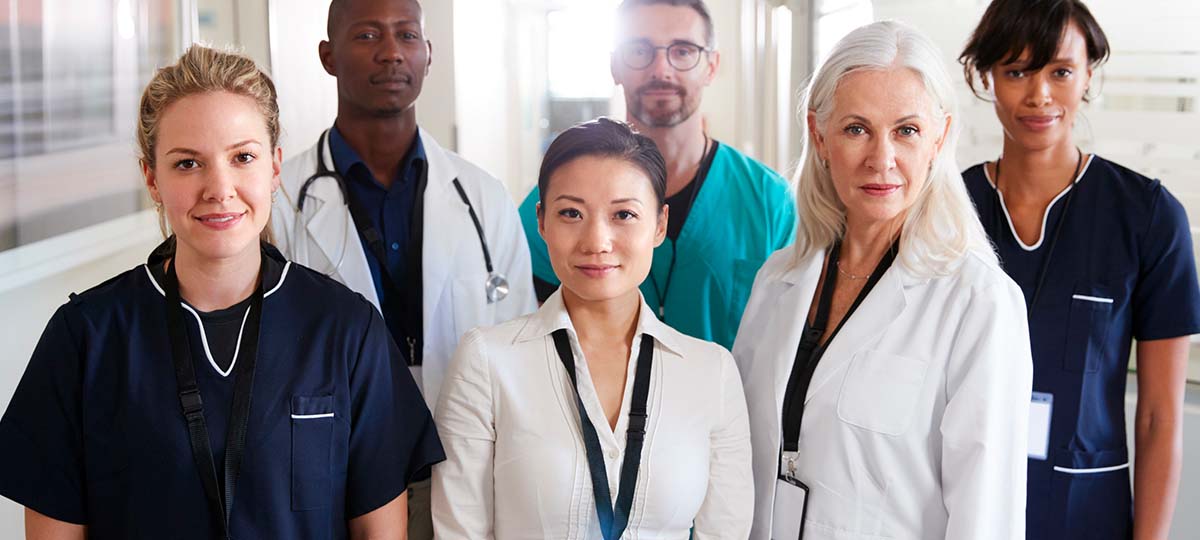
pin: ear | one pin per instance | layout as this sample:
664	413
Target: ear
945	132
714	62
276	168
660	229
614	68
815	134
151	181
325	52
541	218
428	55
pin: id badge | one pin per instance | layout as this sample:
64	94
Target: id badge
1040	409
791	505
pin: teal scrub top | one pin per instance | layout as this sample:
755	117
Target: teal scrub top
743	213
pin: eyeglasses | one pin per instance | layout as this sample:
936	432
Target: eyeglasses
681	55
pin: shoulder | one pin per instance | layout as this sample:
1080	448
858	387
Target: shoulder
117	292
778	264
470	175
697	353
318	295
749	172
1120	182
496	339
976	279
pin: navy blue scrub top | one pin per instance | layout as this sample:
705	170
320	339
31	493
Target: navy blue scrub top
1122	269
94	434
391	212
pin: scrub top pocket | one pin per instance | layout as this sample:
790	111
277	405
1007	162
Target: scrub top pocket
1087	329
1092	488
312	442
881	391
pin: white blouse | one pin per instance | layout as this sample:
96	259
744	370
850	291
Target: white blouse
516	466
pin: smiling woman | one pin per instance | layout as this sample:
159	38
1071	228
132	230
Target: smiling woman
269	359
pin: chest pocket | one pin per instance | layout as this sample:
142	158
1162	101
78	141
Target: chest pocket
1087	329
312	443
881	391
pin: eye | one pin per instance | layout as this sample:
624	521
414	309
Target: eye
855	130
908	131
625	215
364	36
245	158
186	164
570	213
684	51
410	35
1062	73
1014	74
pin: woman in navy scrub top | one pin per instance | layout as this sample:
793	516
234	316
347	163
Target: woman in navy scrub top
329	426
1104	256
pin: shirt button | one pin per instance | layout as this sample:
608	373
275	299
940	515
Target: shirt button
395	246
612	454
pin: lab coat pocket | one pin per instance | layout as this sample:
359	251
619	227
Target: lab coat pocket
881	391
1087	329
312	442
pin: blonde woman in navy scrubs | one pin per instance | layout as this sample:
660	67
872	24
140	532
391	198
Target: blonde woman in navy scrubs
1104	256
218	391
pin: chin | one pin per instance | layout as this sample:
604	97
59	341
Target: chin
594	291
220	246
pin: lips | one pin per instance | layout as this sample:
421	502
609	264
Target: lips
1039	122
880	190
660	90
596	271
221	221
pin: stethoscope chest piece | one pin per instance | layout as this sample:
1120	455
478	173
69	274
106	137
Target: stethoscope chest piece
496	287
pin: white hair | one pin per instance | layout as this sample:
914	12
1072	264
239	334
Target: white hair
942	226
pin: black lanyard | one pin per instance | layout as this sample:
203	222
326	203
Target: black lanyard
1040	279
809	352
613	520
220	504
695	185
409	298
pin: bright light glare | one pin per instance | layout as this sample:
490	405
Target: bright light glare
579	41
124	19
838	18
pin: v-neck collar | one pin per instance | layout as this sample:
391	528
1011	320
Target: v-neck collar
1045	215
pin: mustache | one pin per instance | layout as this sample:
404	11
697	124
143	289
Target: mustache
391	75
660	85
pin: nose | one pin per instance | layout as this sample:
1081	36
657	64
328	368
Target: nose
597	237
220	185
389	50
1037	92
660	67
882	157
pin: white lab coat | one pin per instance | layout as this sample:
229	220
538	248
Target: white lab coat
915	423
453	273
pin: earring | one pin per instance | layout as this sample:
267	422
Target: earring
825	163
274	195
158	207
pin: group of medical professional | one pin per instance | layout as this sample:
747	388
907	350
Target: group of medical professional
369	340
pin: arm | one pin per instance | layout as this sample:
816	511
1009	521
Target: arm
463	488
1161	374
40	527
728	507
388	522
986	421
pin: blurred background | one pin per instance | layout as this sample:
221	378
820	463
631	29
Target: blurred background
507	76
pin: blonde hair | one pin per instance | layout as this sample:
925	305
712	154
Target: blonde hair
203	70
941	226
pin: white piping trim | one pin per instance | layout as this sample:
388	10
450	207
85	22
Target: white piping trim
204	340
311	416
1045	215
1096	299
282	277
1092	471
152	281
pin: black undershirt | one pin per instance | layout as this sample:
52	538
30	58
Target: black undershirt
681	205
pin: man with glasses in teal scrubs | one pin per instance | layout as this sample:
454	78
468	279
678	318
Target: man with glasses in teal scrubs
728	212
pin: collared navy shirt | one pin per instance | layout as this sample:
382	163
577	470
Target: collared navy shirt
390	210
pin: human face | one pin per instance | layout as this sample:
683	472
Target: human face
601	223
1037	108
880	144
660	95
380	56
214	173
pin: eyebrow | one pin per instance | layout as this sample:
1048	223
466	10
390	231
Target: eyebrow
190	152
865	121
580	200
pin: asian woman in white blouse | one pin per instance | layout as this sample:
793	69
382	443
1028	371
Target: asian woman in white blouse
521	454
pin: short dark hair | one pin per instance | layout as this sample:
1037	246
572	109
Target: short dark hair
335	14
1010	27
605	138
710	33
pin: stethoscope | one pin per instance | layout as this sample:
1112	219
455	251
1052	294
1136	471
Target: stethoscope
496	285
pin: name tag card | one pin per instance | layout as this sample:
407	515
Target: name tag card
791	504
1039	425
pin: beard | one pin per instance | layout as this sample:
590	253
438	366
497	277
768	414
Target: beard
660	114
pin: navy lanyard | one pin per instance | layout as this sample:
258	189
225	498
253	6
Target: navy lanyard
220	504
695	185
809	352
613	520
1040	279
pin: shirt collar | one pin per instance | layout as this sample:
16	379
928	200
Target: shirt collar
345	159
553	316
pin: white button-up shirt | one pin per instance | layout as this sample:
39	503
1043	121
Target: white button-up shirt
516	464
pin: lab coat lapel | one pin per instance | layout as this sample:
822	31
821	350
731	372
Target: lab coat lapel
795	303
882	305
446	229
331	229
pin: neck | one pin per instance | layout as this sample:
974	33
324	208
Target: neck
210	284
603	321
682	147
865	243
1037	174
380	141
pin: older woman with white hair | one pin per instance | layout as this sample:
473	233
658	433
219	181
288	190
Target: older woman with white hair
885	355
